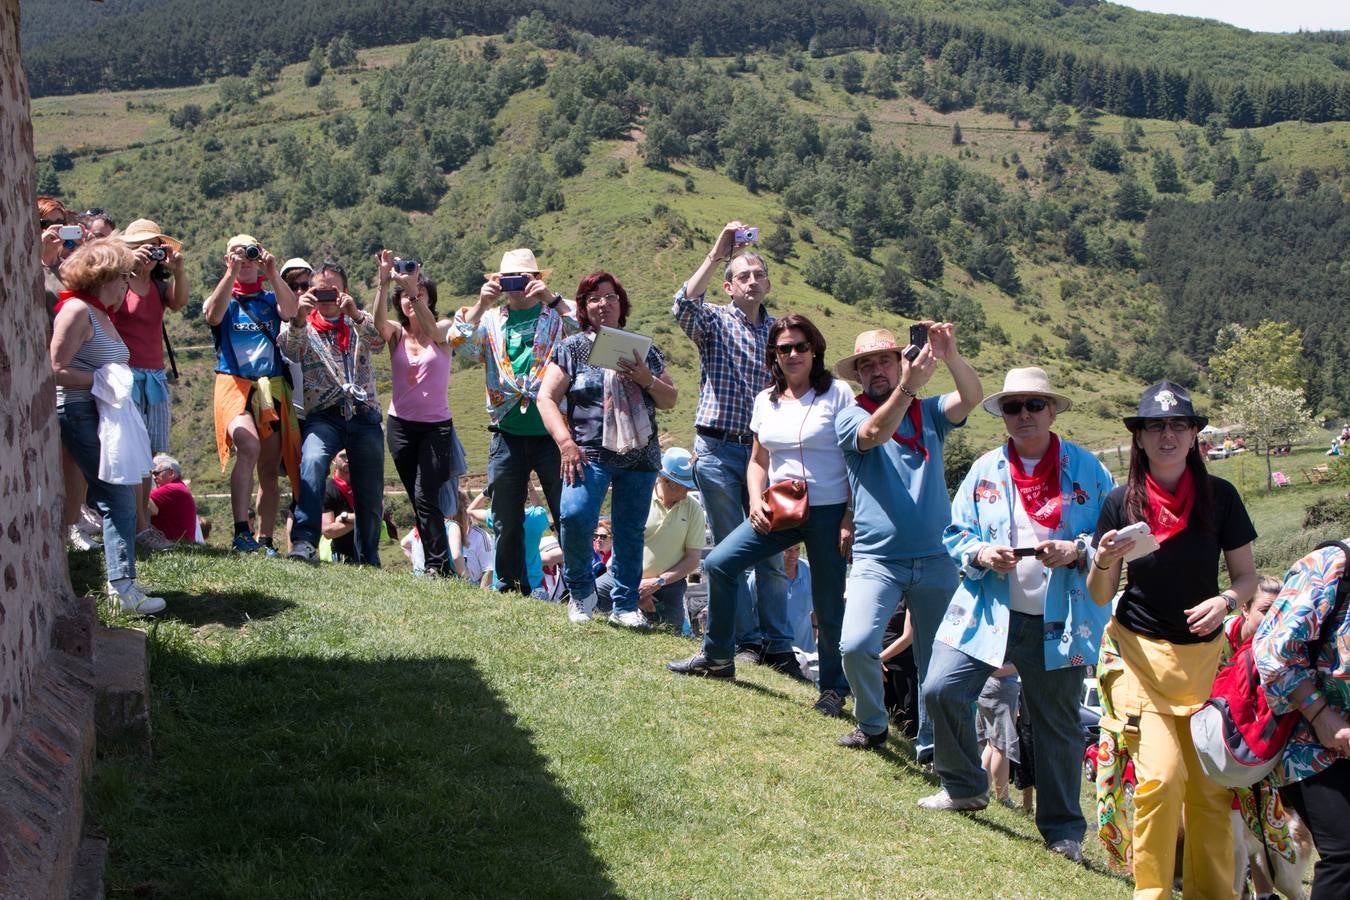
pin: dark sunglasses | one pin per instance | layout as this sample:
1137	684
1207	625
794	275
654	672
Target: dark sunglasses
1176	426
299	285
1014	407
802	347
601	536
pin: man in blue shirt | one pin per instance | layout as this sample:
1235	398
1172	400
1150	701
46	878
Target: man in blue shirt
731	341
892	442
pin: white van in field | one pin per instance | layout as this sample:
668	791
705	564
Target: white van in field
1090	698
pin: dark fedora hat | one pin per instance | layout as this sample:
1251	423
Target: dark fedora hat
1165	400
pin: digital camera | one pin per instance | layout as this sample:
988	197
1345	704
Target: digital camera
747	235
252	251
158	253
405	266
70	235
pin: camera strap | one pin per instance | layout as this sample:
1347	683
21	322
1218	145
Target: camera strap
164	330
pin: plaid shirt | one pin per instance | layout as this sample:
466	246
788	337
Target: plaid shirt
731	352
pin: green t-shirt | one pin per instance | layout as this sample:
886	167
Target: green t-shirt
519	334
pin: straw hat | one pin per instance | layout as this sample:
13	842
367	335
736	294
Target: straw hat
865	343
1031	380
520	260
142	230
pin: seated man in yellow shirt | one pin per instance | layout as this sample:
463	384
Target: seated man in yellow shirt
672	543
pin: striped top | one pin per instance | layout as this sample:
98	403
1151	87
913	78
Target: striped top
93	354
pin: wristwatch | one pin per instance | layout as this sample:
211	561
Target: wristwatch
1230	600
1080	544
557	298
660	581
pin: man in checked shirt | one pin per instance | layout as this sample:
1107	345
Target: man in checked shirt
731	342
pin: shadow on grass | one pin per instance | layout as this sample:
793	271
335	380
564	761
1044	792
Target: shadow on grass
291	777
233	610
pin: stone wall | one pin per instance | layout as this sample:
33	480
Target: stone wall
46	647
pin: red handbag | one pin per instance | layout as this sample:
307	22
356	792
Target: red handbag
789	505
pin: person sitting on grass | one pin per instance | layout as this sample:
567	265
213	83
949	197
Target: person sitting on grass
173	510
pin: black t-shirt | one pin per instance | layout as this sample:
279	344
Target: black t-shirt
1183	571
335	502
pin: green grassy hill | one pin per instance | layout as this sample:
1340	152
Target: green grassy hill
649	226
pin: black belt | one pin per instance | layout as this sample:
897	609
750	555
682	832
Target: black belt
721	435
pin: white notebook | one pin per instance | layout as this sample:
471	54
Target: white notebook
613	344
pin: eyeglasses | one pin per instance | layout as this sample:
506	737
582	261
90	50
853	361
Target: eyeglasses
1032	404
300	286
802	347
611	297
1176	426
601	536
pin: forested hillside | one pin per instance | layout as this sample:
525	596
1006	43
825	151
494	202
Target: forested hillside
195	40
886	184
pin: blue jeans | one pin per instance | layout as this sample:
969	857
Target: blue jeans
744	547
669	600
326	432
511	459
874	589
954	683
628	517
719	472
115	502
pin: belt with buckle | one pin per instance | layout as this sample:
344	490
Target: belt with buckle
723	435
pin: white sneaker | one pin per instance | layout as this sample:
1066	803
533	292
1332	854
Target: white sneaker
303	550
134	600
945	801
91	523
76	539
631	619
579	611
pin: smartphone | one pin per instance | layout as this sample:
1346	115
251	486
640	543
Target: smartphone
747	235
1024	551
514	282
325	294
918	336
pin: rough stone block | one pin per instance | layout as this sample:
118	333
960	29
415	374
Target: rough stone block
122	707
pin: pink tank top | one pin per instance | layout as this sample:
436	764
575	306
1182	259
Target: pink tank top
139	320
421	383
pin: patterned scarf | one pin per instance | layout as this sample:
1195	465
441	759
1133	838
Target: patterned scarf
626	424
1039	490
915	416
1168	513
548	333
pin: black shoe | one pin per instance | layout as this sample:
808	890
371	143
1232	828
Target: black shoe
750	654
831	704
786	662
861	740
700	665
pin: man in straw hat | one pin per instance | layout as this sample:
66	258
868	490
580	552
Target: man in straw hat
158	282
1021	530
515	341
892	442
731	340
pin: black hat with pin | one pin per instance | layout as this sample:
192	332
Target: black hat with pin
1165	400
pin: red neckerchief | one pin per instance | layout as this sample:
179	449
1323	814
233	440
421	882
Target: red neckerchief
86	297
321	324
346	488
1040	490
915	416
1168	513
242	289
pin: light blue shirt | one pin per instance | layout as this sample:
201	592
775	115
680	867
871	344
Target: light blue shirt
977	620
900	503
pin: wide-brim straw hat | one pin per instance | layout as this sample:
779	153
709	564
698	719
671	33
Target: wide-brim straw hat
874	341
1029	380
1165	400
519	260
142	230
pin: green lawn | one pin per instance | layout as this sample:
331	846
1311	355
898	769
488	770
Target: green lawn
334	733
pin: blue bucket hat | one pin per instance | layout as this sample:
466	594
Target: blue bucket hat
677	465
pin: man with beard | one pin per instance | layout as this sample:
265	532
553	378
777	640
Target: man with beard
892	442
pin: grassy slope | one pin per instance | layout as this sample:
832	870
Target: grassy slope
324	732
610	222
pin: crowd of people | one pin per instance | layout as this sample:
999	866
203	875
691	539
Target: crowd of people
929	611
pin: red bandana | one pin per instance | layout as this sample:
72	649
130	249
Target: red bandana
915	416
1040	491
1168	513
241	289
86	297
321	325
346	488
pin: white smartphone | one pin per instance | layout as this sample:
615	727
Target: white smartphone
1144	541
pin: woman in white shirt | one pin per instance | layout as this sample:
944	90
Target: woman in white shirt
793	425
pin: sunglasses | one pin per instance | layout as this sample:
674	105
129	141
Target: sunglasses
1176	426
601	536
802	347
300	285
1015	407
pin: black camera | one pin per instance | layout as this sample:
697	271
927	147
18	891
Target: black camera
158	253
405	266
252	251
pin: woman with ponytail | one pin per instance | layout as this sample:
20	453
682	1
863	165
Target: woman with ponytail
1161	648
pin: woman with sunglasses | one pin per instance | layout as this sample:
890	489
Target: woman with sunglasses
1020	530
608	436
85	341
794	438
1162	644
